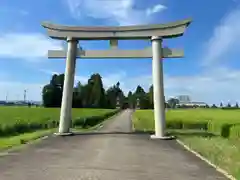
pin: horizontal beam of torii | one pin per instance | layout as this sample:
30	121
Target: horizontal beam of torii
169	30
116	53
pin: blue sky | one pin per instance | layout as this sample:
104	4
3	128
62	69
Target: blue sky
210	70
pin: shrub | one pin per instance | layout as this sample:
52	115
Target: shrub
235	131
175	124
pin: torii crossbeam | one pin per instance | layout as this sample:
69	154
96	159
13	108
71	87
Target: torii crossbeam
116	53
155	33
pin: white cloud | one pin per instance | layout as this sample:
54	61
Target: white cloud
14	90
155	9
213	85
216	83
225	39
11	10
26	46
220	84
46	71
121	12
24	12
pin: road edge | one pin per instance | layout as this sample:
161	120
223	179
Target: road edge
220	170
21	146
10	150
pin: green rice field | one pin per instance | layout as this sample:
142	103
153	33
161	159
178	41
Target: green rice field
19	125
23	119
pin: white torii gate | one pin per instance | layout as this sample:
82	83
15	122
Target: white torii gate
155	33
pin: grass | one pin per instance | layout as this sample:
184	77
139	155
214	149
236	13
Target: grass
13	121
13	141
213	133
11	115
220	122
224	153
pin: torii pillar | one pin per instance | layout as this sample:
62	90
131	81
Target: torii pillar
66	106
155	33
158	88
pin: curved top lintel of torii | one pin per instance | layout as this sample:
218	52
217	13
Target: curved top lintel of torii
168	30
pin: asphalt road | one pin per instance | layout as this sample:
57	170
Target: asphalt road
112	154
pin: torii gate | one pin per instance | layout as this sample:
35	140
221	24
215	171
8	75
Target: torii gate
155	33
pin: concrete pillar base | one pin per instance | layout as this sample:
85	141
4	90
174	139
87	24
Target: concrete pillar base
162	137
64	134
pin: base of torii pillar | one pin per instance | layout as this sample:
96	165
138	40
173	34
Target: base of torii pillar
162	137
64	134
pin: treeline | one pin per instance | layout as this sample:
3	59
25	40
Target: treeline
93	95
228	106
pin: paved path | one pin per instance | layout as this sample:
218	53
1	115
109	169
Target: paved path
106	156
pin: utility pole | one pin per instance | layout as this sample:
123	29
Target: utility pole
25	95
7	97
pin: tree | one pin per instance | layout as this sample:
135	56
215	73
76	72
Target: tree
130	99
236	106
172	102
112	94
52	92
143	98
221	104
214	106
229	105
77	96
150	94
51	96
144	103
47	95
57	80
93	94
117	85
94	91
97	93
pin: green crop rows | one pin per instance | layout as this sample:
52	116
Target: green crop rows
15	120
220	122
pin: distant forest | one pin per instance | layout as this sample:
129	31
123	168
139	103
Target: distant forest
93	95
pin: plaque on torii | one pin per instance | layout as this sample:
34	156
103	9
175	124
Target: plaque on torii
155	33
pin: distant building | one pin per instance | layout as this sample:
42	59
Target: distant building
184	99
192	104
